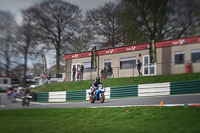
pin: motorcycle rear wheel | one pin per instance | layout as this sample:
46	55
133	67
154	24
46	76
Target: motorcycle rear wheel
28	102
91	100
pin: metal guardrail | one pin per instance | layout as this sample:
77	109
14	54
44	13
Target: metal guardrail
42	97
76	95
169	88
185	87
124	91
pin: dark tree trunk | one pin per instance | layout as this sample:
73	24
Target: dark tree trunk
58	61
25	66
26	57
7	59
57	45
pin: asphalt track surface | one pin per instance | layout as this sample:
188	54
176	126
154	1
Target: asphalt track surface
123	102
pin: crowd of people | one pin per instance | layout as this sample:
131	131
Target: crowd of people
107	72
78	73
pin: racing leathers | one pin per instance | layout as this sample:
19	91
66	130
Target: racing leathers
95	87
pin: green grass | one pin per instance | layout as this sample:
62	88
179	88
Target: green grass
83	85
102	120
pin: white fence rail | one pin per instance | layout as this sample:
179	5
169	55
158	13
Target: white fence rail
57	96
158	89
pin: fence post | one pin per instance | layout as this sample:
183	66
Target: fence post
91	74
117	72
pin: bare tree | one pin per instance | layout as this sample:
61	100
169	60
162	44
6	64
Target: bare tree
104	24
57	22
84	40
7	41
185	17
26	44
160	20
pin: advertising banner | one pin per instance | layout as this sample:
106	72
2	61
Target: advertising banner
44	64
94	58
152	51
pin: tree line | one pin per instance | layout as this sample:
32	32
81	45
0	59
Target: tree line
65	28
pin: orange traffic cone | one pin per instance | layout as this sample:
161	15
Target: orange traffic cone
161	103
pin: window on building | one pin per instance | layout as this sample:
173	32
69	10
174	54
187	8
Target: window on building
5	81
127	63
179	57
195	55
148	68
87	67
107	63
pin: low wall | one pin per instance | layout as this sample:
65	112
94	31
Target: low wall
57	96
142	90
158	89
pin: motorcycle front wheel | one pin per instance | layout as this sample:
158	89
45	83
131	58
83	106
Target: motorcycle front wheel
102	98
23	102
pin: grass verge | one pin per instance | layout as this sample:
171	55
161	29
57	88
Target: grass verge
98	120
83	85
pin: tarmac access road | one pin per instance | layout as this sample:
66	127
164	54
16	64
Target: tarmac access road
172	100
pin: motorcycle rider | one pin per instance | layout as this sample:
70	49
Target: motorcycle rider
95	87
26	93
26	97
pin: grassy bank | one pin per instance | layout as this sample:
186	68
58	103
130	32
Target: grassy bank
83	85
106	120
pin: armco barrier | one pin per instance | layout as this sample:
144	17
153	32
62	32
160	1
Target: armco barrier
42	97
124	91
76	95
158	89
185	87
57	96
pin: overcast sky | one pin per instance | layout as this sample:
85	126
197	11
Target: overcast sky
15	6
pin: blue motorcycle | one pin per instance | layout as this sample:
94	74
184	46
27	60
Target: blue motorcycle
97	94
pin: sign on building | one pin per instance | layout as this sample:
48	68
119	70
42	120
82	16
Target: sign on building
152	51
94	58
44	64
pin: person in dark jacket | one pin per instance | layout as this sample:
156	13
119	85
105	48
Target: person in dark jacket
81	72
74	72
139	64
94	87
110	71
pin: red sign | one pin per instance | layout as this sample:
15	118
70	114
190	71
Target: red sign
78	55
182	41
168	43
123	49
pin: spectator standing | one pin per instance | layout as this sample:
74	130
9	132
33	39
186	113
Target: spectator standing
139	64
74	72
78	72
81	72
110	71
